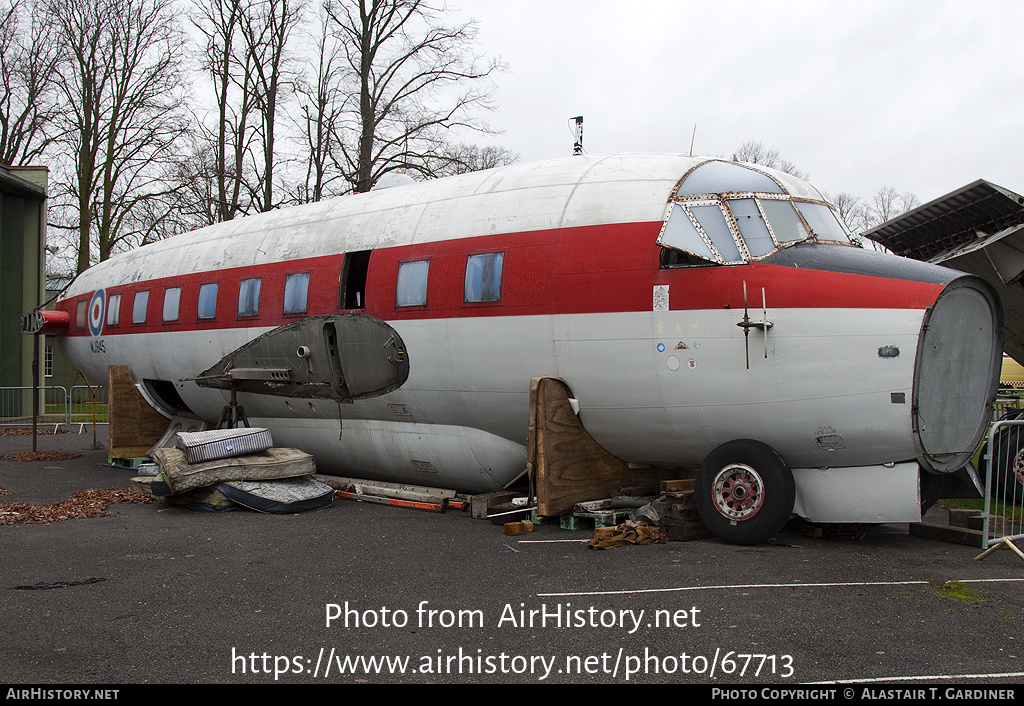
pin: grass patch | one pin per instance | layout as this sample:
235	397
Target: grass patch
958	591
83	413
1007	615
998	508
80	412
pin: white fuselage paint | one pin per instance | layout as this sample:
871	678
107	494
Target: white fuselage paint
660	388
467	391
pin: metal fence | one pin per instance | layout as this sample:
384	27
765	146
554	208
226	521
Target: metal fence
1005	405
87	404
1003	517
57	405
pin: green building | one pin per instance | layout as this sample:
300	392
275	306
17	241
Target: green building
22	275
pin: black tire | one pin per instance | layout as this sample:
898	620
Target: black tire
1008	482
931	486
744	492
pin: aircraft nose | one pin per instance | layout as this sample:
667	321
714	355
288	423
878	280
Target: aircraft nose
956	373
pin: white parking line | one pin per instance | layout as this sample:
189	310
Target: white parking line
764	585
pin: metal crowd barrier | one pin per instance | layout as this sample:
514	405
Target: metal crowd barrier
83	401
58	405
1003	517
16	406
1005	405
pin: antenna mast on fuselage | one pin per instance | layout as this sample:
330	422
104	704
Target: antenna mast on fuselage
577	147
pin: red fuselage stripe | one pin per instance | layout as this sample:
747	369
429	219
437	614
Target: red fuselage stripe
605	268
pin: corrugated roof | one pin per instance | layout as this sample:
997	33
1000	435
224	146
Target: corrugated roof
951	221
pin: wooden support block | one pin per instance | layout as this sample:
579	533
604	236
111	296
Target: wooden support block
998	526
481	504
680	501
944	533
134	426
565	463
679	485
685	530
959	517
604	532
684	516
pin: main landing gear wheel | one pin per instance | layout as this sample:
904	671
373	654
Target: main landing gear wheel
1008	482
744	492
931	486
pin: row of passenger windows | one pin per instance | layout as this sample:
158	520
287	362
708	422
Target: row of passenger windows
482	284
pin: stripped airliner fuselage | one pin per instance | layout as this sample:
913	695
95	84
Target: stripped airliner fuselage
688	303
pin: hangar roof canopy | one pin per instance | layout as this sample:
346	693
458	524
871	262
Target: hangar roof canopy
951	221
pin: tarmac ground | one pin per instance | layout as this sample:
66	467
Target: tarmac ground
359	592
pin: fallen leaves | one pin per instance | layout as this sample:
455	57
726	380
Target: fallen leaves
27	431
39	456
84	503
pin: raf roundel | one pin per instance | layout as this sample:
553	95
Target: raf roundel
97	309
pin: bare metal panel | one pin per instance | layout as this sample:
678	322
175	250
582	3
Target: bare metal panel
952	385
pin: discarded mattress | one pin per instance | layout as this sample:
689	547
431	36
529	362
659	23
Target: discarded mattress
271	464
214	444
279	496
203	499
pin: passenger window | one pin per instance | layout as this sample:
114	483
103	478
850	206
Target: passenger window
113	309
80	314
139	307
483	277
296	288
249	297
412	283
207	308
172	297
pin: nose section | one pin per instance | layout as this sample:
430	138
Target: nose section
956	373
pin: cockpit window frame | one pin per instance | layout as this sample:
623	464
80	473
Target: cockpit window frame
795	194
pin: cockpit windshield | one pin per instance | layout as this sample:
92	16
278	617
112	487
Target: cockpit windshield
729	213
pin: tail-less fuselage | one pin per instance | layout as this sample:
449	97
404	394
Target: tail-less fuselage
701	311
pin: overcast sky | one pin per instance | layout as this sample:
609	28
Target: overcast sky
925	96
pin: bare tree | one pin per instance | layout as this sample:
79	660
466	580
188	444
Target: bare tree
266	28
228	68
322	104
852	211
194	200
460	158
245	56
28	61
121	88
755	152
887	203
414	77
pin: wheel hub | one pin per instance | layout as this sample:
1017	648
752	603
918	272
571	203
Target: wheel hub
738	492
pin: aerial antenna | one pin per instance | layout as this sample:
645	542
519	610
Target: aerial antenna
693	138
577	147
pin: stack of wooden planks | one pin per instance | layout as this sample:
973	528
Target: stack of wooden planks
680	520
